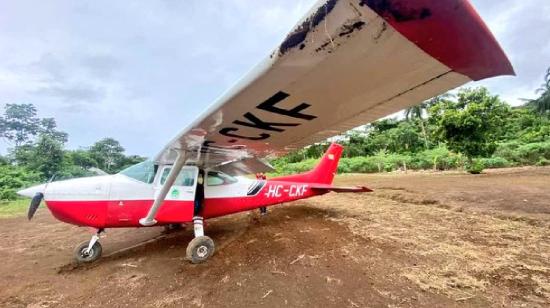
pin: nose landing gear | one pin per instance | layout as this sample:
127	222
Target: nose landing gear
201	247
89	251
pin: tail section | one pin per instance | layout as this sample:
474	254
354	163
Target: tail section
325	170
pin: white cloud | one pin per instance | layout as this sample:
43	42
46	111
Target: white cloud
140	71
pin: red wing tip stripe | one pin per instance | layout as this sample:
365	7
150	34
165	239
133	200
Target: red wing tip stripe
450	31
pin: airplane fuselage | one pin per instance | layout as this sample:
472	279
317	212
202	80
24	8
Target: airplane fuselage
117	201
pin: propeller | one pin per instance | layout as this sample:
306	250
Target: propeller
35	202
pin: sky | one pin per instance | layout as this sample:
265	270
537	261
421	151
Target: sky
141	71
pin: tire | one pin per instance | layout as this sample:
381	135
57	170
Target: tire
200	249
94	253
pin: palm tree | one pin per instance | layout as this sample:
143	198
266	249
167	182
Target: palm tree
418	111
542	103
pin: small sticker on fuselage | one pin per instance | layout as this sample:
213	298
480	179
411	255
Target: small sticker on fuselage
175	193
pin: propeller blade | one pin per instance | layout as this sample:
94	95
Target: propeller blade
35	202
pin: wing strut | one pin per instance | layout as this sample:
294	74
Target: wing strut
149	220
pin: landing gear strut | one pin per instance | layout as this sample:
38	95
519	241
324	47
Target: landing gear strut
89	251
201	247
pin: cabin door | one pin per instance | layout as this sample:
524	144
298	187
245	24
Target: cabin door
179	202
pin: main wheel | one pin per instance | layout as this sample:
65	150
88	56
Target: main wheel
82	256
200	249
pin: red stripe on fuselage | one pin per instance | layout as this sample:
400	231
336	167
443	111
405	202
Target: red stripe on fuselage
118	213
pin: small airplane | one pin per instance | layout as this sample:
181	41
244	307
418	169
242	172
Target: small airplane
346	63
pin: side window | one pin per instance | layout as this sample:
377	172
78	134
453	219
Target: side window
185	178
213	180
218	178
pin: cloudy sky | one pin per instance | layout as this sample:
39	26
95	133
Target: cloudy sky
140	72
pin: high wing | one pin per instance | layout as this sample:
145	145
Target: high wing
346	63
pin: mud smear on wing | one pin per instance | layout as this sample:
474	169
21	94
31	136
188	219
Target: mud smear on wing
400	11
298	36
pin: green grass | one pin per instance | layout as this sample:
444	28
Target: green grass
13	208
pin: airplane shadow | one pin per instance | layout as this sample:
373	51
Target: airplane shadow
224	231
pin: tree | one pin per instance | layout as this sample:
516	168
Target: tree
3	161
472	124
417	113
524	125
47	156
109	154
542	103
384	124
404	138
48	128
19	123
81	158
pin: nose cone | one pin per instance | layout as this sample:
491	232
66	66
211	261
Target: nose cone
31	191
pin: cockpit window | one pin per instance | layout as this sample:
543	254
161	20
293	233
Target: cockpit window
217	178
143	172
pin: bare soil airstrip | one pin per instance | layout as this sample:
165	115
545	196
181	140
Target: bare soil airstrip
420	240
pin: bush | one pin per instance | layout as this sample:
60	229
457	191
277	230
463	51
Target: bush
533	152
495	162
13	178
362	164
475	167
507	150
7	194
524	154
439	158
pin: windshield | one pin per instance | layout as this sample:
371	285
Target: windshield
143	172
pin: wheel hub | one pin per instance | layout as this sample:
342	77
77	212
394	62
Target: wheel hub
85	253
202	251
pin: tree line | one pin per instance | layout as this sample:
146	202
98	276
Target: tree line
39	155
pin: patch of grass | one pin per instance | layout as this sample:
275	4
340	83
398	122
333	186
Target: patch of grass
13	208
459	254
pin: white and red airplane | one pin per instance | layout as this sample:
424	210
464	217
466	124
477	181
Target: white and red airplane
346	63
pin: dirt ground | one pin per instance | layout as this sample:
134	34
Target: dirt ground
420	240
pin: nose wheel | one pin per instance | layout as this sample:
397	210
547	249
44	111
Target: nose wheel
201	247
89	251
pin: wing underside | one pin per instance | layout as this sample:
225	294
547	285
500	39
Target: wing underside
347	63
